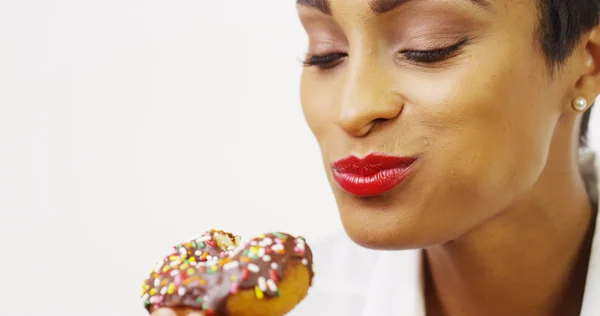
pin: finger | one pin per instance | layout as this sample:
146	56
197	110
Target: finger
164	312
171	312
189	312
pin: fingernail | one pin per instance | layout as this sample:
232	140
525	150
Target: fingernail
164	312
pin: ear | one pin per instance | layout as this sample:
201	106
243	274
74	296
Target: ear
588	67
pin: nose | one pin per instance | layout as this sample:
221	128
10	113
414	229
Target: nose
366	99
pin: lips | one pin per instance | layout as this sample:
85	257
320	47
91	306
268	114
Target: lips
372	175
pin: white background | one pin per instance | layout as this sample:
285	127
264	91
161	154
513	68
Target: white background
129	125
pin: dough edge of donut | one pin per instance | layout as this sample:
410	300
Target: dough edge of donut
293	288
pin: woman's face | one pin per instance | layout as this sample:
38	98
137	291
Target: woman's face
459	85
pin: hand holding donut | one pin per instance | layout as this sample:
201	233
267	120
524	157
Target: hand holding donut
213	274
172	312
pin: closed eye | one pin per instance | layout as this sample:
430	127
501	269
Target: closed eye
326	61
433	56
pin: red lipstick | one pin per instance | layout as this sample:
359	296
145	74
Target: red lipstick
372	175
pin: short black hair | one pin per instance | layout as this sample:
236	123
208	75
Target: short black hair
562	23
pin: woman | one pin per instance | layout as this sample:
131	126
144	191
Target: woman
453	127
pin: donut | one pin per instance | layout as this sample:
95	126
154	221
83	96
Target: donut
218	275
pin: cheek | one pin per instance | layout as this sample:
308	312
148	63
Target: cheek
314	98
319	97
486	134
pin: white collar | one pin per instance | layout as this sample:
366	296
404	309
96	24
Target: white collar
591	173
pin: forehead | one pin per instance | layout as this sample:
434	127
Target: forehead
513	15
379	6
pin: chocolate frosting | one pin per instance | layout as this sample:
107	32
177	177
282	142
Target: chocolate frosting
200	274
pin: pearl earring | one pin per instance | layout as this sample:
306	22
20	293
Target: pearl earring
580	104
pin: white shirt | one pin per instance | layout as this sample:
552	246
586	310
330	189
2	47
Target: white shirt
375	283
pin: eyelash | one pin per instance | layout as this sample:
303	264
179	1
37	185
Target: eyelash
326	61
426	57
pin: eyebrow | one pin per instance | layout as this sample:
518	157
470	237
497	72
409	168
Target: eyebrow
377	6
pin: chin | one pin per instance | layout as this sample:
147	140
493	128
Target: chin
384	231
